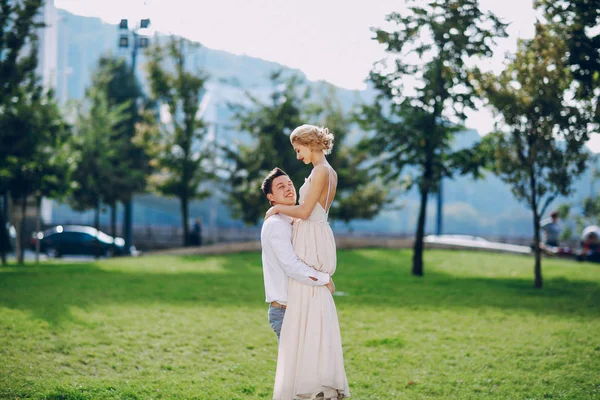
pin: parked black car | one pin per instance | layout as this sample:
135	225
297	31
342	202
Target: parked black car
78	240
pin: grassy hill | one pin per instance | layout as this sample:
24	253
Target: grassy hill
196	328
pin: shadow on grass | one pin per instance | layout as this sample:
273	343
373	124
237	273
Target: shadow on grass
50	290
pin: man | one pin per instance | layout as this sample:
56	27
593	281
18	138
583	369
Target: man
278	257
551	230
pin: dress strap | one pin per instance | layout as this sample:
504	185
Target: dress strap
328	189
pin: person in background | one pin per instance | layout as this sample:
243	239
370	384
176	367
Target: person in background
551	230
590	241
196	234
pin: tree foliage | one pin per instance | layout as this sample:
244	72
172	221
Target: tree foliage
130	163
575	22
19	24
115	78
101	169
184	161
431	44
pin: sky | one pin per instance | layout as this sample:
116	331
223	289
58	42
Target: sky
326	39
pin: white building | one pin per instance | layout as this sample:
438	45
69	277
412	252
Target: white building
47	69
48	52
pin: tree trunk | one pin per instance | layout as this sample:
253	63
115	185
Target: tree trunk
538	283
184	218
533	203
20	249
4	236
38	226
417	269
113	223
127	222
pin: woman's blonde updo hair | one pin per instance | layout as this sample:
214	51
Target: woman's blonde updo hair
316	138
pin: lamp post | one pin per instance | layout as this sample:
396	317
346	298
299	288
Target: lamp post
138	42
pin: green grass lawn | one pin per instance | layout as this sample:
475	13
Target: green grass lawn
196	328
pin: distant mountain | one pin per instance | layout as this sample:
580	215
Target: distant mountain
484	207
82	40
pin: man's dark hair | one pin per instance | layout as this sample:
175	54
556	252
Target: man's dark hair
268	182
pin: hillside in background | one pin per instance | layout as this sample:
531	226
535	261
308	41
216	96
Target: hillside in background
484	207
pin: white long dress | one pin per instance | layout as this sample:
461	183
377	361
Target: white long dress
310	363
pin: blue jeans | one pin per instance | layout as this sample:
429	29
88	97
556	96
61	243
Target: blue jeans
276	319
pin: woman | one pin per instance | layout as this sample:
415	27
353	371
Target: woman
310	363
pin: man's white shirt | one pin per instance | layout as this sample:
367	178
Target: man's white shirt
280	261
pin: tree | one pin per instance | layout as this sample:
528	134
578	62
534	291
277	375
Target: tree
130	163
18	60
39	164
100	167
184	162
541	151
414	127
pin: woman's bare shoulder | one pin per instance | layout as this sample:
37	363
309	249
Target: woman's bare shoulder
320	171
326	170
